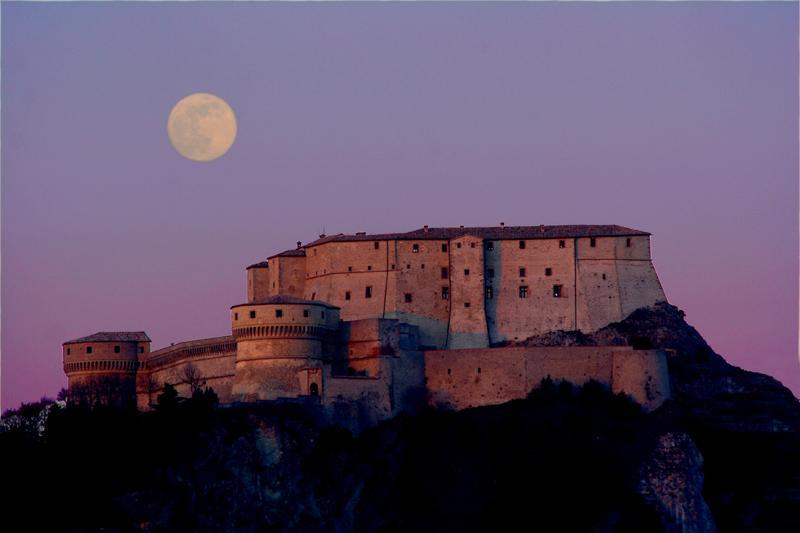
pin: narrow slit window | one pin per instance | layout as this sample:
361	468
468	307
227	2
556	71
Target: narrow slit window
278	313
548	271
116	349
415	248
445	293
466	272
562	244
628	242
444	247
521	245
368	292
408	297
445	272
347	295
252	314
592	242
558	291
523	291
377	245
522	272
305	313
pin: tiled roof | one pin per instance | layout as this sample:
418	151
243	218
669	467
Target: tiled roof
289	300
262	264
112	336
295	252
491	233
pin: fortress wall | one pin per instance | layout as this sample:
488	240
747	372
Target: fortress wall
515	318
598	294
467	314
335	268
287	275
216	371
638	286
474	377
258	283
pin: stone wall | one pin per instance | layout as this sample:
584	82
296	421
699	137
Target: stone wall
213	360
472	377
514	289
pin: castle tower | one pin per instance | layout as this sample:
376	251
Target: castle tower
101	368
281	342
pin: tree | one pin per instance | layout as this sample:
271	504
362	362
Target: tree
192	376
168	399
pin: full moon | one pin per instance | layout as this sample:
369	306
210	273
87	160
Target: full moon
201	127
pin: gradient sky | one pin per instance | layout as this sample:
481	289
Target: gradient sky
679	119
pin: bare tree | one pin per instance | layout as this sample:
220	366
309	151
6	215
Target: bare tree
192	376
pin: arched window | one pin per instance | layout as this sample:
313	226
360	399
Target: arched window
314	389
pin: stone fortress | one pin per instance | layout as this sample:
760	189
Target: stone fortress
372	325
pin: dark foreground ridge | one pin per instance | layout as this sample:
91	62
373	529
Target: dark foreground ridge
722	455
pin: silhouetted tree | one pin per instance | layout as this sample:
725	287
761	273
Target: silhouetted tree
168	399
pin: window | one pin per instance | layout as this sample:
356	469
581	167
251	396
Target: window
490	245
369	267
408	297
392	266
490	273
466	304
415	248
479	370
116	349
489	293
458	245
236	316
522	272
521	245
548	271
557	291
314	388
278	313
141	349
445	293
604	276
444	272
322	314
349	269
472	245
368	292
305	313
377	245
592	242
422	266
408	266
466	272
444	247
252	314
562	244
628	242
347	295
68	351
313	295
88	349
523	291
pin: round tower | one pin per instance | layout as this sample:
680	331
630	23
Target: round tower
280	345
101	368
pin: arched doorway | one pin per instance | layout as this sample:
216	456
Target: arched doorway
313	389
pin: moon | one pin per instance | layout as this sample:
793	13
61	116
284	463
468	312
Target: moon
201	127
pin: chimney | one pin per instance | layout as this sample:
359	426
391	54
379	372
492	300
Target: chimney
425	228
299	244
461	226
321	235
502	224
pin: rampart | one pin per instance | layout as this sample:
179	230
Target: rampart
472	377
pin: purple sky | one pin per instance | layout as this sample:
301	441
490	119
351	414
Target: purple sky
679	119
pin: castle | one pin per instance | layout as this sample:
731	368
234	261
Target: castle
367	325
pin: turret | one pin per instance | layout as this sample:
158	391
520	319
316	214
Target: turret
101	368
281	342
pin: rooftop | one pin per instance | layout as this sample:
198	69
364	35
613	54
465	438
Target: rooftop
491	233
294	252
114	336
